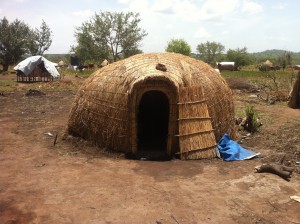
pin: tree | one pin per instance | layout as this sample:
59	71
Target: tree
239	56
13	41
289	58
284	60
87	48
281	60
109	35
179	46
40	40
211	52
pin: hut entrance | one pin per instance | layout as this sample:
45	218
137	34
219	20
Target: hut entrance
153	121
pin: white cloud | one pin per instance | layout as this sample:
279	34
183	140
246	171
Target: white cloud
217	8
123	1
225	32
188	10
279	5
83	13
202	33
163	6
252	7
141	6
169	26
185	10
277	38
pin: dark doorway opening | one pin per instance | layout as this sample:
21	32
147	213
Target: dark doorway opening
153	121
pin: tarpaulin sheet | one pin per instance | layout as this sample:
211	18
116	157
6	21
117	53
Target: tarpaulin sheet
27	65
230	150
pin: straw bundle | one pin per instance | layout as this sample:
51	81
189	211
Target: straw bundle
294	101
201	106
197	139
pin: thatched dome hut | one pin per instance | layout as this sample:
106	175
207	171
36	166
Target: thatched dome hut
268	63
158	101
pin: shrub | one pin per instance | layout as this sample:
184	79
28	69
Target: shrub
252	119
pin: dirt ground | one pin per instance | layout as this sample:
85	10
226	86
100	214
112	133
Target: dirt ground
74	182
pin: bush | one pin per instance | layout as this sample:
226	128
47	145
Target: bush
252	119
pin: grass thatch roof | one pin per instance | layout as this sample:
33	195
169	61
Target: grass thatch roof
106	105
267	62
294	101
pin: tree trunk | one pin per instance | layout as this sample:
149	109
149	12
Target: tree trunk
294	102
5	67
280	170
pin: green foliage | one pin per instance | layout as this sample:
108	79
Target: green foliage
252	117
239	56
84	73
7	85
40	40
58	57
17	39
109	35
284	60
13	41
179	46
87	48
264	80
211	52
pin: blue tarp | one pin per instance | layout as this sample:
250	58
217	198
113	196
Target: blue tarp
230	150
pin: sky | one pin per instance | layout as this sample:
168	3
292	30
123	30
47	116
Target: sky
256	24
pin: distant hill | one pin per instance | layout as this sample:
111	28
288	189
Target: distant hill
275	53
271	53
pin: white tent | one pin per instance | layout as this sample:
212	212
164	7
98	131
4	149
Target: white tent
226	63
225	66
29	64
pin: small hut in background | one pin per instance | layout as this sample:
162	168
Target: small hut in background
104	63
61	64
266	66
268	63
36	69
163	102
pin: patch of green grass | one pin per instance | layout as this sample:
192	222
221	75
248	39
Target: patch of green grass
7	85
240	74
85	73
57	85
239	112
255	74
273	79
59	88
